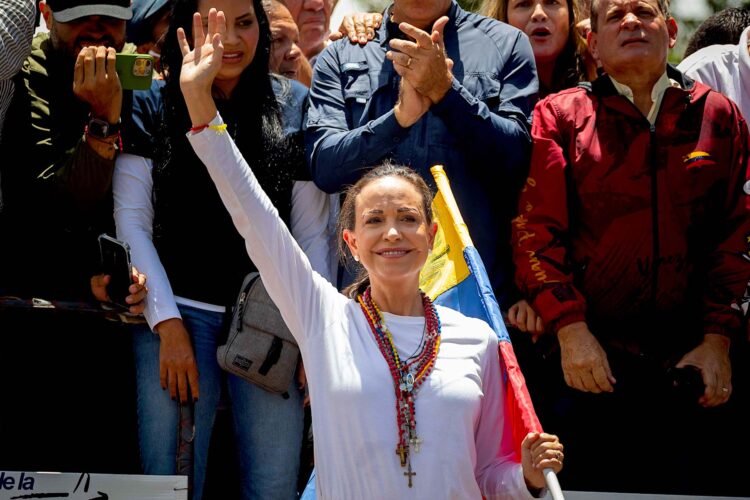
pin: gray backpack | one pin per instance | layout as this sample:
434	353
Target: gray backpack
260	348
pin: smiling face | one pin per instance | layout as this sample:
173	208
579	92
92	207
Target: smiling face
392	234
547	24
631	37
240	39
285	51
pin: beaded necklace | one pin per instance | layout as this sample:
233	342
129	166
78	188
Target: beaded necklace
407	375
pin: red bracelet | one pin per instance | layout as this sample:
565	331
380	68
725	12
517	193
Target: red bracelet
195	130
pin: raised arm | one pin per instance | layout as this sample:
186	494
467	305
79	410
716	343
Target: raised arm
304	298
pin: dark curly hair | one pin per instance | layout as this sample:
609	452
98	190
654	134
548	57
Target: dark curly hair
722	28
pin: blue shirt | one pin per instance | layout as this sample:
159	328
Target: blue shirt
479	131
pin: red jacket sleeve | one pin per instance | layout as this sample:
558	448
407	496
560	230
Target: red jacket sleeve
543	271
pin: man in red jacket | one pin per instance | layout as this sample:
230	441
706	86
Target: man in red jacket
632	242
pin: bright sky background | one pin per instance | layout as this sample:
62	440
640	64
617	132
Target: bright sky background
690	9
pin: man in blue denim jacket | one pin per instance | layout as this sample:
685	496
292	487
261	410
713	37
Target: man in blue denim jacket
437	85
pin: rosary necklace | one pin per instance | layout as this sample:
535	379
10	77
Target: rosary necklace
407	375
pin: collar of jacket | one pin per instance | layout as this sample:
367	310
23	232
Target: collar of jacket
604	89
389	29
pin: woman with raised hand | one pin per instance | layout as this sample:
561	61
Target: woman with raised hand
181	236
407	397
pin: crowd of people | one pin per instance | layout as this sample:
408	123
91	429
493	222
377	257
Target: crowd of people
607	192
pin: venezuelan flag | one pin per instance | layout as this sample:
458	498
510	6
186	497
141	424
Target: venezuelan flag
454	276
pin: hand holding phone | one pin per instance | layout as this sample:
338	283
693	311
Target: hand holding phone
135	70
115	261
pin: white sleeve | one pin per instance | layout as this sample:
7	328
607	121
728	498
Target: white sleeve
307	302
498	474
309	224
134	216
702	66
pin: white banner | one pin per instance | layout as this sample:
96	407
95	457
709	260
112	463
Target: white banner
85	486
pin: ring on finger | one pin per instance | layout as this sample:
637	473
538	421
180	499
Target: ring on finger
724	389
408	62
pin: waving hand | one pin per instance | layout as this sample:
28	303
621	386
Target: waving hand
201	64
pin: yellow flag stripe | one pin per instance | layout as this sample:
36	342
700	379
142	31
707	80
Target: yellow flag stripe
445	267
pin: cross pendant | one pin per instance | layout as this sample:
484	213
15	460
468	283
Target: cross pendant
409	474
401	452
415	442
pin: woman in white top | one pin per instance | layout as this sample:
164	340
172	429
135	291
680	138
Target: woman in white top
407	398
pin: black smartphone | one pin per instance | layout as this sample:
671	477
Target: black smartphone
115	261
687	382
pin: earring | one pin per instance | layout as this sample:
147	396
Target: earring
356	258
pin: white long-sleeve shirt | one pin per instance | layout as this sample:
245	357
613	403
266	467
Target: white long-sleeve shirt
132	186
466	450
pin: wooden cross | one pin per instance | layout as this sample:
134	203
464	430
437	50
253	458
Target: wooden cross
401	452
409	474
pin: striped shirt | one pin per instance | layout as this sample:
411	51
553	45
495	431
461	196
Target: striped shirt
17	18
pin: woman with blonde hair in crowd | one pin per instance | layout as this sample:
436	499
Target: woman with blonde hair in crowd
559	50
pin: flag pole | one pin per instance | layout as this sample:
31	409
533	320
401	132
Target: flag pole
553	484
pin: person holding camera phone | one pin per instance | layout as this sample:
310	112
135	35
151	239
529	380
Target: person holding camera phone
64	121
168	211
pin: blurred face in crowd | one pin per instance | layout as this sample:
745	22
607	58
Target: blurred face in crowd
420	13
547	24
69	38
631	37
285	52
312	18
158	33
240	39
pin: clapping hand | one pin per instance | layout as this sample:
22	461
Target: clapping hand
423	62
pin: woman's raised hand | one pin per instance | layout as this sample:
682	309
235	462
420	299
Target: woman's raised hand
201	64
